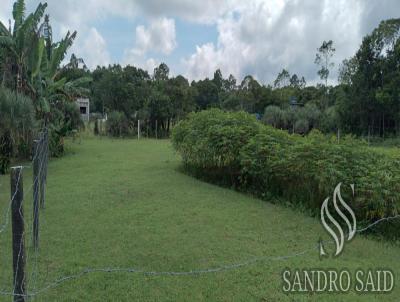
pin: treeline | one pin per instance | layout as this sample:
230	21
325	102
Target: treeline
365	101
128	94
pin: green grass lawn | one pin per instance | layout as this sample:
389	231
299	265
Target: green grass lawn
124	203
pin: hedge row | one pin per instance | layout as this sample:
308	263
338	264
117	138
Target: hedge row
235	148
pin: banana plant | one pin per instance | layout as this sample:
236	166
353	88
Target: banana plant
54	88
36	60
23	44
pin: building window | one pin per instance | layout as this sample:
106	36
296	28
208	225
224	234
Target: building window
83	110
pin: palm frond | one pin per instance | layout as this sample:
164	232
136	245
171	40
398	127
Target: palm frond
8	43
29	27
4	30
80	82
59	53
37	57
77	87
18	14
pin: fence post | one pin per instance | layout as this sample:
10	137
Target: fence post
18	234
36	176
138	129
42	168
156	130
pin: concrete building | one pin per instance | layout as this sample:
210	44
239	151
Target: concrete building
84	108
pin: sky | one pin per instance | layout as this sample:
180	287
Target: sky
194	38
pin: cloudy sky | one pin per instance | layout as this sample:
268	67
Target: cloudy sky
257	37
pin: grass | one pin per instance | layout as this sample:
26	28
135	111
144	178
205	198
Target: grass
124	203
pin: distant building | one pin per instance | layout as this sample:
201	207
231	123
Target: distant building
294	103
84	108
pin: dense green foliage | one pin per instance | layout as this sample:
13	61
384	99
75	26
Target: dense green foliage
213	139
117	124
156	100
304	170
371	81
17	124
30	63
365	102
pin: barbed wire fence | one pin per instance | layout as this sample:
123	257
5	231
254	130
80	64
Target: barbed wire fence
24	278
23	226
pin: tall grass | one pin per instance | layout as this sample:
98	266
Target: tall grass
17	126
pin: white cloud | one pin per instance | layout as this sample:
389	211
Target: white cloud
133	58
264	37
205	11
258	37
159	36
92	47
5	13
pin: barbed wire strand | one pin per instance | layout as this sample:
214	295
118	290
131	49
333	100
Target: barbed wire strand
222	268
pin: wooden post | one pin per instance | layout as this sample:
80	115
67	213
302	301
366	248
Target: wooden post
369	133
138	129
42	168
156	130
47	154
18	234
36	180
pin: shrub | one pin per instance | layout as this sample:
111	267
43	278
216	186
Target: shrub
274	116
6	150
212	140
303	170
117	124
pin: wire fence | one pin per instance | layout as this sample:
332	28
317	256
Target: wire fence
21	226
33	198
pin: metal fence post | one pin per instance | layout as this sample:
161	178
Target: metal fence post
18	234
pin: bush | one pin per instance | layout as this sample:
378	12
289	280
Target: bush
65	119
211	140
117	124
303	170
274	116
6	150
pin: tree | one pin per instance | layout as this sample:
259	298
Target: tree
323	59
161	72
283	79
74	63
368	102
181	96
218	79
294	81
206	94
229	84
